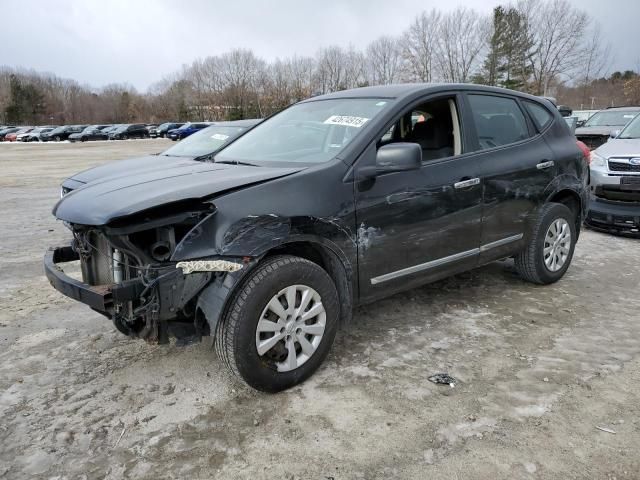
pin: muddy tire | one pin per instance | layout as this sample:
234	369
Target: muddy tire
549	253
280	324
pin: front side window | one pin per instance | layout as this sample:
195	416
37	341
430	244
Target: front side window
310	132
433	125
499	121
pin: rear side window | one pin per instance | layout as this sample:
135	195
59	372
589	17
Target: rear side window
541	115
499	121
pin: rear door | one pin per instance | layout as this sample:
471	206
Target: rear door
515	165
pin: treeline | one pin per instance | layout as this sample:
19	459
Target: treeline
544	47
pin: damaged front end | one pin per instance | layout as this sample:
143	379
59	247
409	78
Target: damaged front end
128	273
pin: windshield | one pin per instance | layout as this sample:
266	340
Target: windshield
632	130
59	129
185	126
121	128
610	118
204	142
311	132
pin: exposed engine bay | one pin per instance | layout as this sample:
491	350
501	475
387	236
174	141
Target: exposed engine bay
151	297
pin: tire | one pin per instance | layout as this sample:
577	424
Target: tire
237	334
57	138
124	137
536	265
83	139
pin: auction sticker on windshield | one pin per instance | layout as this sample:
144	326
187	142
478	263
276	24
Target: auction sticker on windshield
219	136
346	120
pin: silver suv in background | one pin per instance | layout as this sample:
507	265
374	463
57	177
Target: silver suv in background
614	204
598	129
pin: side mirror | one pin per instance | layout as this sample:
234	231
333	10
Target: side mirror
393	157
614	133
398	157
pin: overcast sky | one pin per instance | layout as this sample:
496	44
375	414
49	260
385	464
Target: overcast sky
140	41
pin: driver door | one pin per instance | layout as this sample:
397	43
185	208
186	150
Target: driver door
420	225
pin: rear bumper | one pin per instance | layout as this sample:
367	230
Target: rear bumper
614	217
98	297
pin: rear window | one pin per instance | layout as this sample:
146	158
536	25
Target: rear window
541	116
499	121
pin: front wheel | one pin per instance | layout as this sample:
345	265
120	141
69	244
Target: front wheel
549	253
280	324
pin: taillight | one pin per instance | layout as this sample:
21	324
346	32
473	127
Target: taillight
586	153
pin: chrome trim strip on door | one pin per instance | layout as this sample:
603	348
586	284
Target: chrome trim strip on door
501	242
444	260
424	266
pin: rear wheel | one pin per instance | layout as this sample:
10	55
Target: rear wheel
280	324
57	138
550	251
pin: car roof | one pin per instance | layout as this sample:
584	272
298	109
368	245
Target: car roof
406	90
622	109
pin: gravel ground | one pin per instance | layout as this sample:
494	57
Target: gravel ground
538	369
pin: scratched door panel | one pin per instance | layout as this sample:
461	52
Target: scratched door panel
412	218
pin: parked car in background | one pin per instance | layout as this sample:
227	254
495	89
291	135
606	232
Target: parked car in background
185	130
334	202
598	129
161	130
92	132
13	136
34	135
200	146
614	204
582	116
127	131
6	131
61	133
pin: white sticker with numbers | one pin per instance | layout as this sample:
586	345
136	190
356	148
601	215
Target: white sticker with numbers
346	120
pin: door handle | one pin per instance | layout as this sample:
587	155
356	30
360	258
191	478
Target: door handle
543	165
466	183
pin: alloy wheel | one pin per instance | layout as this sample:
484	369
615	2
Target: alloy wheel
557	244
291	327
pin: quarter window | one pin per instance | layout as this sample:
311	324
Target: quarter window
499	121
540	115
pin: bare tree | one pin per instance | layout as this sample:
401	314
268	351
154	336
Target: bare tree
462	39
559	34
419	44
384	60
596	59
339	69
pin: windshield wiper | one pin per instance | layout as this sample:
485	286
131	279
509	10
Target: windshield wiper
236	162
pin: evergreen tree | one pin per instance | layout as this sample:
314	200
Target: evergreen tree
26	104
510	49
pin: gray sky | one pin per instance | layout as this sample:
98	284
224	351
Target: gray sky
140	41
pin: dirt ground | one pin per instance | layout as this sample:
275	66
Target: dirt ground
539	368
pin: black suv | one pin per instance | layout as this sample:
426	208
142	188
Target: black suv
161	130
125	132
59	134
336	201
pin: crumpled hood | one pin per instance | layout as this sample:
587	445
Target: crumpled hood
133	191
620	147
126	168
604	131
